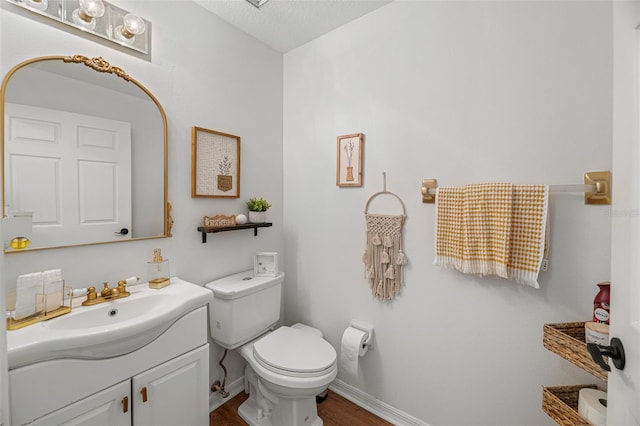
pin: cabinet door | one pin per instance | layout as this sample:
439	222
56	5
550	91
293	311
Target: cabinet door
174	393
111	406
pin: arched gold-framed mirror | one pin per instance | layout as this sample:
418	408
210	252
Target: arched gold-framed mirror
84	151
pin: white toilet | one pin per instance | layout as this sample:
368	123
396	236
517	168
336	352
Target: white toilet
286	367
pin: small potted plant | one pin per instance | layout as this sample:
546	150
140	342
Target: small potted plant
258	210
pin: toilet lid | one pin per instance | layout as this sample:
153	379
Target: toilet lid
294	351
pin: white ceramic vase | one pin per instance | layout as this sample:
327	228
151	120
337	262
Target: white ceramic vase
257	217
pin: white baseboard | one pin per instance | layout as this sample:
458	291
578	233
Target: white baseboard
375	406
353	394
234	388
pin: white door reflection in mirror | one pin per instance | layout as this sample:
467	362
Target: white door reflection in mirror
93	87
73	171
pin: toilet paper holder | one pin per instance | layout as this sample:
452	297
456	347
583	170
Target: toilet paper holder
367	328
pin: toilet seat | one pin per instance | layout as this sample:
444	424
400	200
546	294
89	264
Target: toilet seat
296	353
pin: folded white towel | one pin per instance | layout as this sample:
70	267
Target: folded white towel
28	295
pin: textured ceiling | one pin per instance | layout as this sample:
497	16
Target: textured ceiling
287	24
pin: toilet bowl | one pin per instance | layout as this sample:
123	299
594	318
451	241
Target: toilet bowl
289	368
286	366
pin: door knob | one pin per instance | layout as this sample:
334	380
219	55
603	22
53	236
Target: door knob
615	351
123	231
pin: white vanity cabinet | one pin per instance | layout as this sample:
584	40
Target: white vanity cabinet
109	407
167	394
163	383
172	393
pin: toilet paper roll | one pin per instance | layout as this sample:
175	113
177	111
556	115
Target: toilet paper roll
353	347
590	406
597	333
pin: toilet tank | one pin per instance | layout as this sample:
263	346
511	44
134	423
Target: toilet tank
244	307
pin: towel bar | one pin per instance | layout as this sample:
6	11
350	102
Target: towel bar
596	188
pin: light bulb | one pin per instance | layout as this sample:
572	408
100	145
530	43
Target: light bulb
86	14
37	4
132	25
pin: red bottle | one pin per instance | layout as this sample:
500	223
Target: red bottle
601	304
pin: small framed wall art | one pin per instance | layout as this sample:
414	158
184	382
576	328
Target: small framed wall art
265	264
349	162
215	164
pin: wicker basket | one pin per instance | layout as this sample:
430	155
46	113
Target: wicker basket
567	340
561	404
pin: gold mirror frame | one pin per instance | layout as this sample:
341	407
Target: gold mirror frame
98	64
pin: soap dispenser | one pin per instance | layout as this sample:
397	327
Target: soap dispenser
158	270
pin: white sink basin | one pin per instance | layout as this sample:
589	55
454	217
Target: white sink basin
115	313
108	329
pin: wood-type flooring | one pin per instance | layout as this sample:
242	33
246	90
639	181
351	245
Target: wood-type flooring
334	411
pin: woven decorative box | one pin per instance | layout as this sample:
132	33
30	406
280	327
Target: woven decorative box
561	404
567	340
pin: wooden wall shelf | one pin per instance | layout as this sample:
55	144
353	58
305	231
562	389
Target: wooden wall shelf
213	229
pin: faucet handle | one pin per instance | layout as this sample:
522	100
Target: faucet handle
91	293
122	284
106	291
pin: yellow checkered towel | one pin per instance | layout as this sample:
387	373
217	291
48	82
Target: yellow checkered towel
492	229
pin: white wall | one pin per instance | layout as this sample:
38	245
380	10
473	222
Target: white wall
205	73
463	92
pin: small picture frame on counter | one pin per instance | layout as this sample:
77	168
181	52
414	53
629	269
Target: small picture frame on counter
265	264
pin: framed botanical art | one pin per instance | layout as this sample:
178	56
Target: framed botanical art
349	162
215	164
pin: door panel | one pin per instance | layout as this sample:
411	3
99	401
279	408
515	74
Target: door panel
72	170
624	385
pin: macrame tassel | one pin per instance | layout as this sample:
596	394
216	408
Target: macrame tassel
396	287
390	273
380	290
383	257
371	276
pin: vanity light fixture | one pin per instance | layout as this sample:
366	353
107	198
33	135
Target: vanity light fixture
257	3
85	16
132	25
97	17
37	4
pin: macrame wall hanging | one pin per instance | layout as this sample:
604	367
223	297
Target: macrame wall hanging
383	257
